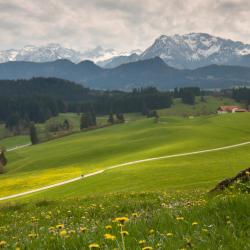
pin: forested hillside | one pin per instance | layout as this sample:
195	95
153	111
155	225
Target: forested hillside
54	87
39	99
151	72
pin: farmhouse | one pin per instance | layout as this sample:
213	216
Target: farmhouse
230	109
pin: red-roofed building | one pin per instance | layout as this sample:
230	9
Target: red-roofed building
230	109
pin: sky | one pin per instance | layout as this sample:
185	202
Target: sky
120	24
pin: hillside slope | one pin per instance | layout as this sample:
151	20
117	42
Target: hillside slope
74	155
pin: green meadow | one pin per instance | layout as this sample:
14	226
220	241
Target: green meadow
160	204
208	106
131	221
86	152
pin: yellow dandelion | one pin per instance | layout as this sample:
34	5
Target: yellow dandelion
179	218
121	220
152	231
109	237
94	246
60	226
63	233
83	229
136	215
124	233
3	243
147	248
32	235
170	234
194	223
142	242
108	227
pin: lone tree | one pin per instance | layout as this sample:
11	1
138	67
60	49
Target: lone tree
145	109
93	116
156	116
84	121
3	160
111	119
66	124
33	134
120	118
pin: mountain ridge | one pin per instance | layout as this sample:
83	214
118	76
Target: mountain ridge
193	50
188	51
142	73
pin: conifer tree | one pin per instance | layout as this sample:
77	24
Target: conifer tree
93	116
111	119
66	124
120	117
33	134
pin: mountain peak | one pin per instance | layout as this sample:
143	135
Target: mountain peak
196	50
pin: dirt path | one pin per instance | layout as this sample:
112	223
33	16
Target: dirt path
121	165
18	147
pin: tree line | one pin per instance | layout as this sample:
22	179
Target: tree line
38	99
187	94
242	94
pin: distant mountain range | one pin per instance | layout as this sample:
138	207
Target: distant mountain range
191	51
188	51
148	72
52	52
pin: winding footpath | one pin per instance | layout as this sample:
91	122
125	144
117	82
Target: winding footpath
117	166
18	147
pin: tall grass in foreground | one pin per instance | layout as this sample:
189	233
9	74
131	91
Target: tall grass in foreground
129	221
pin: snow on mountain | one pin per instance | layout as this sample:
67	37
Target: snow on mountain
121	58
196	50
180	51
52	52
189	51
99	55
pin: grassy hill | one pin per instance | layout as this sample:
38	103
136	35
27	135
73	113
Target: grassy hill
165	201
74	155
208	106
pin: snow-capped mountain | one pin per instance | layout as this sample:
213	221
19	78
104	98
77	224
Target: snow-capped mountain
52	52
188	51
191	51
99	55
122	58
196	50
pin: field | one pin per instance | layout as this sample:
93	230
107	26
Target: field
209	106
206	107
74	155
165	200
155	221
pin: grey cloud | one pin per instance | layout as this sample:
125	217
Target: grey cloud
122	24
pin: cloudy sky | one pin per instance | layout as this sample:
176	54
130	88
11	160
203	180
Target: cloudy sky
120	24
